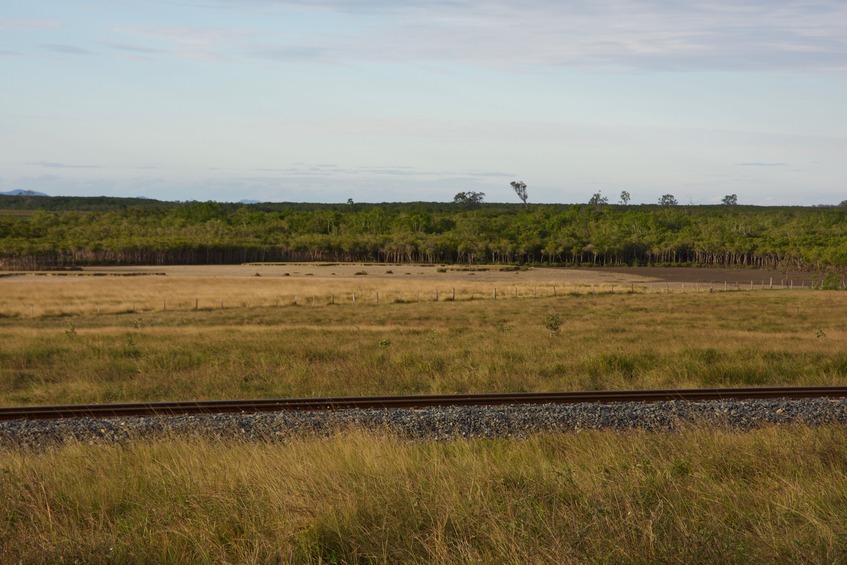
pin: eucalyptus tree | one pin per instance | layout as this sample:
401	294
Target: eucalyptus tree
470	199
668	200
520	189
598	199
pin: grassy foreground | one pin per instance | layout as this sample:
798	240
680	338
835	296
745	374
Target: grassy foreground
771	495
606	341
707	495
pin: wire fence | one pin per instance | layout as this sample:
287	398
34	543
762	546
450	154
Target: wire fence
376	296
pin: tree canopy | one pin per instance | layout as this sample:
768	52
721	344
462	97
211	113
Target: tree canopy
117	232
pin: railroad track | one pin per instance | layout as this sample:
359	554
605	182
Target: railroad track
419	401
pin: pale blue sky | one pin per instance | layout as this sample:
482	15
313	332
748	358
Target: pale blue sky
380	100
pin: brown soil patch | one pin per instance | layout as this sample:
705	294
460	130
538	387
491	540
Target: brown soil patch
715	276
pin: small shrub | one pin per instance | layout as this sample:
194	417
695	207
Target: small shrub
359	273
553	323
383	343
831	282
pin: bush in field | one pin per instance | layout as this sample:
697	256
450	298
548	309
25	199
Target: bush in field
831	282
553	323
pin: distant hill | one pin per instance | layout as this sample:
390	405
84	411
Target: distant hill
246	201
22	192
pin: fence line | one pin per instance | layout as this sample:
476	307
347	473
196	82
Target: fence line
378	297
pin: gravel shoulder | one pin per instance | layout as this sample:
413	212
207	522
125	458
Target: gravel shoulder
435	424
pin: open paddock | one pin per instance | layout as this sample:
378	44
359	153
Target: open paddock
112	290
571	341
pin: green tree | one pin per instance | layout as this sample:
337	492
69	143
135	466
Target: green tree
469	199
730	200
520	189
668	200
598	199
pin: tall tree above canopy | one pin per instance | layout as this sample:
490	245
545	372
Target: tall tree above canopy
598	199
520	189
668	200
469	199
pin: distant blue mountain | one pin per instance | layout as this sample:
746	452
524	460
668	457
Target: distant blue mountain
22	192
246	201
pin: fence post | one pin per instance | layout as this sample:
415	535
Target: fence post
495	293
453	297
196	303
354	297
377	297
436	295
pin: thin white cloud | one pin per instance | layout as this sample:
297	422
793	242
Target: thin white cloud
207	44
54	165
628	34
130	48
28	24
65	49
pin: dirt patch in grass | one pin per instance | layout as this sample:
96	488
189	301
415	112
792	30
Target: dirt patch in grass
714	276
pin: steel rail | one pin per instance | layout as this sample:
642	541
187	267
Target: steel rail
414	401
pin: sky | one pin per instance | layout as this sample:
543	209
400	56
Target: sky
395	101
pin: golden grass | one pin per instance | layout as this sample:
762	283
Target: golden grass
608	341
771	495
107	290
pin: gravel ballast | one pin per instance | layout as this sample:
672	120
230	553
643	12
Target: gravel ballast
437	424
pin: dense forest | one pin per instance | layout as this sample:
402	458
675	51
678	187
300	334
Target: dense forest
62	232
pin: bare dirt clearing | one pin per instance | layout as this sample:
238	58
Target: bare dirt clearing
713	276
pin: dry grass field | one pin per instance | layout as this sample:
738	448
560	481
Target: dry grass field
147	289
775	495
92	350
110	290
701	495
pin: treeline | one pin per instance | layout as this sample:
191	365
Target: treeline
146	232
